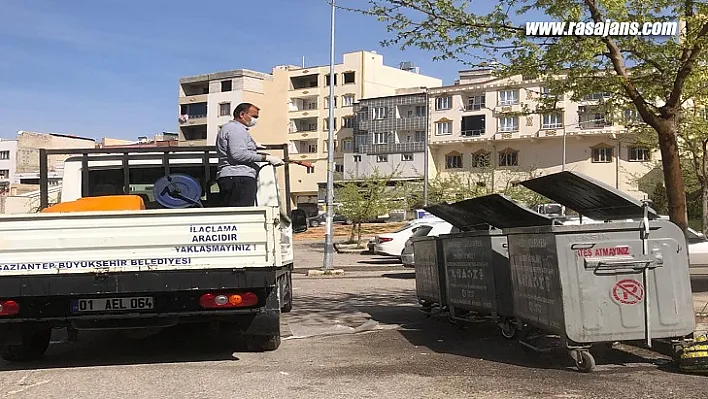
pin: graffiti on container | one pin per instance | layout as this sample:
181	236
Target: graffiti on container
604	252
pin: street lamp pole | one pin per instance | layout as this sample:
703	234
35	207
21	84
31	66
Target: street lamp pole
329	235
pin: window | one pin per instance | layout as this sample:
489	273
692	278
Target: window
443	128
638	154
481	159
631	115
347	122
4	154
508	97
379	112
545	92
602	154
453	161
380	138
443	103
382	158
224	109
348	77
348	100
596	96
327	102
476	103
312	148
406	157
509	124
420	110
348	145
359	140
310	170
226	85
4	173
509	157
327	79
551	121
338	168
419	137
325	125
357	158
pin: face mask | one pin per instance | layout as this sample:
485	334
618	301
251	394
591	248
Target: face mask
252	122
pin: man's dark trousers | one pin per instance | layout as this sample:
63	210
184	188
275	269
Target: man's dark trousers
237	190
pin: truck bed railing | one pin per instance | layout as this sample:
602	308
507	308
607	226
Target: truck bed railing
125	154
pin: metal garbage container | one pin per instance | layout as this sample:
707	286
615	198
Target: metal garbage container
429	278
603	282
475	262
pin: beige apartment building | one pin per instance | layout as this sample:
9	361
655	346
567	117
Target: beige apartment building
294	103
476	127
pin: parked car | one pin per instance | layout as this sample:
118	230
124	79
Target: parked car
430	231
392	244
321	219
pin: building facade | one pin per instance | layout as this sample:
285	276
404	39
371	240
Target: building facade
388	137
294	103
480	126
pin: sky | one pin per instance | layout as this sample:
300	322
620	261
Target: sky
110	68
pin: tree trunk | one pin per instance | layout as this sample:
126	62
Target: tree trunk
704	201
351	234
673	178
358	235
704	187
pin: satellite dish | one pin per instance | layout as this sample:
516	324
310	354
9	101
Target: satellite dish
177	191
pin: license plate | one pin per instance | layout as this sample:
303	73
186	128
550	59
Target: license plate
112	304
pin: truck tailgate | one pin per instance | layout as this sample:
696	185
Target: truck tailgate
164	239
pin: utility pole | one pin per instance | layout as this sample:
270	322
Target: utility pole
329	235
425	144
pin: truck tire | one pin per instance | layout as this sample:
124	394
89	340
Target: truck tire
263	343
287	294
34	345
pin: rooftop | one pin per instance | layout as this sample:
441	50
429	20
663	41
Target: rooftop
234	73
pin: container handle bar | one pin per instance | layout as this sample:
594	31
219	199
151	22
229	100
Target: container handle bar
641	263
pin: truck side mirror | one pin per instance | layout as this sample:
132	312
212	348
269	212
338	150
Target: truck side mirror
298	218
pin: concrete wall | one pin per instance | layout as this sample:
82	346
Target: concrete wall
369	162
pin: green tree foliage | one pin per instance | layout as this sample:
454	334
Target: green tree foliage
366	199
650	74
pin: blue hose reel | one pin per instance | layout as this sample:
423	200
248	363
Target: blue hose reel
178	191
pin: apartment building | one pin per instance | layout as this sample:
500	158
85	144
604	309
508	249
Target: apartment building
477	126
8	164
294	103
389	136
206	102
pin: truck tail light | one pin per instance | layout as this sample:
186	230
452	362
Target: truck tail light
9	308
385	239
218	301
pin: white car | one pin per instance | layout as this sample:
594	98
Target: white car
392	244
407	257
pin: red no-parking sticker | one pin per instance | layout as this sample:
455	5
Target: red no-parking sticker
628	291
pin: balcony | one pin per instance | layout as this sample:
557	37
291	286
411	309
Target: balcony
390	148
414	123
473	133
196	88
198	98
193	114
302	125
304	82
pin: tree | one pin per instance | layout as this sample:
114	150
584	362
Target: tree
366	199
648	73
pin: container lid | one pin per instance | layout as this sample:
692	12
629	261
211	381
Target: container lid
460	218
587	196
494	210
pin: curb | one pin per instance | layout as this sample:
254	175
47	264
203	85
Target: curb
335	272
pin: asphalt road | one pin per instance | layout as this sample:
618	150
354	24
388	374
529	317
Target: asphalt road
360	335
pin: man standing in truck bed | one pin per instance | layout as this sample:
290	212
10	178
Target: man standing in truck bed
237	169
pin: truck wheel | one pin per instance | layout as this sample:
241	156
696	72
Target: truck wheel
263	343
34	345
287	293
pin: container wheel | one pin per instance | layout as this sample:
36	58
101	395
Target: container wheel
508	330
585	361
34	345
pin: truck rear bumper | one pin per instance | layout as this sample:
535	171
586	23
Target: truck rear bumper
46	301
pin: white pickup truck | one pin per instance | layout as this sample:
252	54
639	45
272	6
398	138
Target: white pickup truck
147	268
